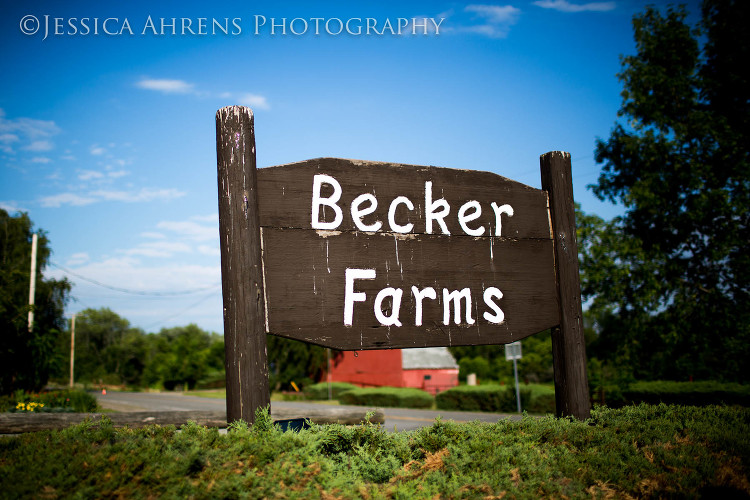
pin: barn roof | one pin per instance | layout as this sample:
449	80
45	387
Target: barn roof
427	358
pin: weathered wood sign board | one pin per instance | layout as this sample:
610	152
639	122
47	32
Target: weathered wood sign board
366	255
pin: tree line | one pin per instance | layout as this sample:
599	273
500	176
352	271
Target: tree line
666	285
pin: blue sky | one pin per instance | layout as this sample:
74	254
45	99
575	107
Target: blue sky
108	140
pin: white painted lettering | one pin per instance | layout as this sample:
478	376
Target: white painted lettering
503	209
350	296
358	213
455	297
434	210
331	201
401	200
490	294
420	295
463	217
392	319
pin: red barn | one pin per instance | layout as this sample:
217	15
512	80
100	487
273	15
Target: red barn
432	369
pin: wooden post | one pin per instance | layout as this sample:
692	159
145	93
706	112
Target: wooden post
72	347
241	265
568	344
32	280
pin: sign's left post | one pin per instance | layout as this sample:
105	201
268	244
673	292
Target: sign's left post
241	265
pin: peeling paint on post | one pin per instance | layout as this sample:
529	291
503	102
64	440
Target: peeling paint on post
241	265
568	344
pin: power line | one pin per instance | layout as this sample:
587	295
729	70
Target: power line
191	306
133	292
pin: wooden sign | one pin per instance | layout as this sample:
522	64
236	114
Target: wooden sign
367	255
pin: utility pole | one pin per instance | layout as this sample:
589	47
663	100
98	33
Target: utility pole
32	286
72	347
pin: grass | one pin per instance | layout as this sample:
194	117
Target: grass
210	393
642	451
275	396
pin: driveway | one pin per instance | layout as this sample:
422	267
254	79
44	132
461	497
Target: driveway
399	419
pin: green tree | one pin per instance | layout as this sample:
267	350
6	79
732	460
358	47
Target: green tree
669	279
489	363
27	357
294	361
107	348
183	356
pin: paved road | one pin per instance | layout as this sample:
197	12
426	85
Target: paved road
395	418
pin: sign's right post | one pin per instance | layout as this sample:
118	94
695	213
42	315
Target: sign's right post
568	344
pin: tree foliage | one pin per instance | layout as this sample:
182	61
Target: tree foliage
110	350
294	361
670	279
27	357
488	361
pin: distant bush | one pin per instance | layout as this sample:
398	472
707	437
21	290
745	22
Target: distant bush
399	397
493	398
49	401
320	390
687	393
542	403
215	379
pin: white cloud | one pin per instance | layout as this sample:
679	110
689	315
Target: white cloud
191	230
77	259
97	150
58	200
6	140
29	132
159	249
116	174
213	218
153	235
40	159
497	19
145	194
566	6
208	250
87	175
39	146
11	207
254	101
166	86
130	272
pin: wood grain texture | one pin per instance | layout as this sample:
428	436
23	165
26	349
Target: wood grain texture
241	265
305	279
286	193
305	269
568	343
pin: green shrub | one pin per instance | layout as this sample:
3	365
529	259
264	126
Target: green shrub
493	398
610	395
71	401
399	397
320	390
542	403
478	365
687	393
643	451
